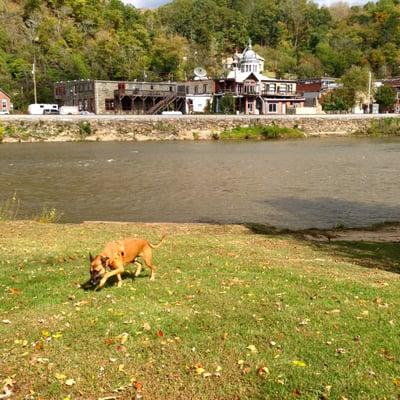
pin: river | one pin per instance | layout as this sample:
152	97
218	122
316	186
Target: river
319	182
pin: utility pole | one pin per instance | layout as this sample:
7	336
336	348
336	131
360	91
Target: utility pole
34	78
369	92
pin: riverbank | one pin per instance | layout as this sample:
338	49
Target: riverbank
233	313
28	128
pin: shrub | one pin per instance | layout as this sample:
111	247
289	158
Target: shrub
48	216
9	209
383	127
262	132
85	129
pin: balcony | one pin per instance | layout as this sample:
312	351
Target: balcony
149	93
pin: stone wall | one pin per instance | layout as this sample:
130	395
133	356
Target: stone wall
72	128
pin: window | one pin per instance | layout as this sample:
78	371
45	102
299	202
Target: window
271	88
4	104
272	107
109	104
196	89
205	88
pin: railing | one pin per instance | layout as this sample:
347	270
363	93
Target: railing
139	92
162	105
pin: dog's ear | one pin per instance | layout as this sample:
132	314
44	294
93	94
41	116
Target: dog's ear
104	260
91	258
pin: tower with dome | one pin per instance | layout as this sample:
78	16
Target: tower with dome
254	92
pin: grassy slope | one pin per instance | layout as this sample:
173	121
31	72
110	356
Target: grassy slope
323	318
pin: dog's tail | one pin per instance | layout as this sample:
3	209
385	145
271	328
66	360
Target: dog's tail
155	246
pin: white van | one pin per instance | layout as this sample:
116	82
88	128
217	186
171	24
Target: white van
40	109
69	110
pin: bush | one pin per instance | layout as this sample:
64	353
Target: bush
262	132
9	209
383	127
85	129
338	100
48	216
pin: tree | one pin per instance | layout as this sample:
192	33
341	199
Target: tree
385	96
342	99
356	81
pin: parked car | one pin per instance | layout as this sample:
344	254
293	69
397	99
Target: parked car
86	113
69	110
4	112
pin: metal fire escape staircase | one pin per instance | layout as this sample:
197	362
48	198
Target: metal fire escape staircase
163	104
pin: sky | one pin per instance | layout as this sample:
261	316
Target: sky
156	3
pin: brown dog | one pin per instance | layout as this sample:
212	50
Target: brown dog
116	255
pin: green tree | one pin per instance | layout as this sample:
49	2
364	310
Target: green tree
339	100
385	96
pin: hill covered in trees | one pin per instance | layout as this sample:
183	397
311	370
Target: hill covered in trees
106	39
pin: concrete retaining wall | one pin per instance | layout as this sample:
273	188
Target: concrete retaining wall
102	127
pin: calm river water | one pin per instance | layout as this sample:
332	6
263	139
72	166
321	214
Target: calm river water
294	184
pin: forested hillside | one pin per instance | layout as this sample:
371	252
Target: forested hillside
105	39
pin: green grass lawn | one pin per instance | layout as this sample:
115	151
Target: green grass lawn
232	314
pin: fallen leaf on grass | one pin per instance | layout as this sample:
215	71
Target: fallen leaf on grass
6	321
252	348
199	370
60	376
160	333
46	334
244	367
396	382
6	393
138	385
57	335
263	371
336	311
146	326
38	345
299	363
123	337
7	386
70	382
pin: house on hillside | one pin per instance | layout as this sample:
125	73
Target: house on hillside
5	102
255	93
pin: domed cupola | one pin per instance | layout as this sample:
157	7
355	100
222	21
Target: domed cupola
249	61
